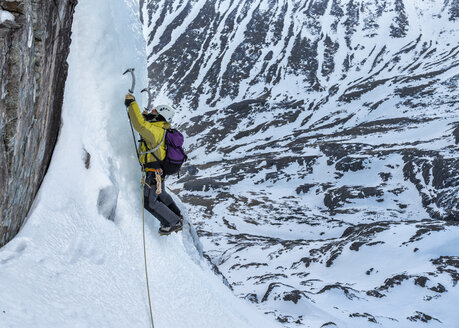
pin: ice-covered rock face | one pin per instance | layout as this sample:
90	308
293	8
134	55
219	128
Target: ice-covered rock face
34	43
323	139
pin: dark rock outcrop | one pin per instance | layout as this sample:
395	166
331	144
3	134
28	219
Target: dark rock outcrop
33	70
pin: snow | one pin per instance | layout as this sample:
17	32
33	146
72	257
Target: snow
71	267
259	226
6	16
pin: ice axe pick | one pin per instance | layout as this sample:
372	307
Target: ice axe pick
149	97
131	90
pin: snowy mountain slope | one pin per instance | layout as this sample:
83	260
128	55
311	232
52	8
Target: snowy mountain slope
78	261
324	143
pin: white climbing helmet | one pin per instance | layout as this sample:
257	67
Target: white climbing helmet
165	111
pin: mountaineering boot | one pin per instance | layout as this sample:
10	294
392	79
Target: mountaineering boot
165	230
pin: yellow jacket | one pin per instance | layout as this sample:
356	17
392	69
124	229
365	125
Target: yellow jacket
152	132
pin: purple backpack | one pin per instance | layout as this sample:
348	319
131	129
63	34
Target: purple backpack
175	155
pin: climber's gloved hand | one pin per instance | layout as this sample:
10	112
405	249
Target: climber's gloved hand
129	99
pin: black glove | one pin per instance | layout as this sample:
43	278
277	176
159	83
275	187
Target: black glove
129	99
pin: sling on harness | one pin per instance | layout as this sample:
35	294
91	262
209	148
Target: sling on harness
158	173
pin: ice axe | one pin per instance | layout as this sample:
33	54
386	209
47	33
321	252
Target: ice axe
131	90
149	97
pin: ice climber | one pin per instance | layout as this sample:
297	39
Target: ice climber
152	126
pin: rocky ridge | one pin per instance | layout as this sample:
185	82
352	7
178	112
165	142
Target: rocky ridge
34	46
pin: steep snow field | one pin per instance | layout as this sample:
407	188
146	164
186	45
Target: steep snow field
70	266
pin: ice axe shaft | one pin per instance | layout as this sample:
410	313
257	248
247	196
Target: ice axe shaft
131	90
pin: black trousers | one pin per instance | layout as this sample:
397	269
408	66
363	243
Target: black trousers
161	206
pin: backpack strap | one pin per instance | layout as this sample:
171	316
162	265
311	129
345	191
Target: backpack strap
151	151
185	157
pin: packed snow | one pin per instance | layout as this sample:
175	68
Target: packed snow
6	16
70	265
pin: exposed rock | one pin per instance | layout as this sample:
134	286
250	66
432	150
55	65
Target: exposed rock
456	133
448	264
440	170
420	316
252	297
107	202
454	10
33	70
393	281
335	198
369	317
348	291
304	188
400	23
86	159
421	281
350	164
